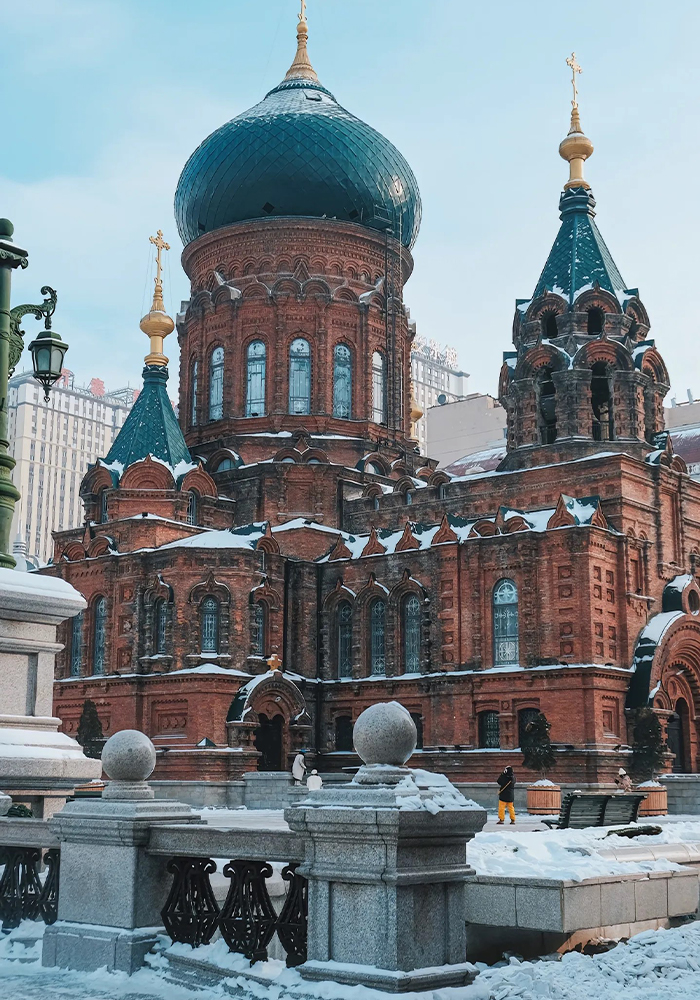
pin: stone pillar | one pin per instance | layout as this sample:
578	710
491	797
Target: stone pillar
110	890
386	864
38	765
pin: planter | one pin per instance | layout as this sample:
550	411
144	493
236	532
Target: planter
656	802
544	799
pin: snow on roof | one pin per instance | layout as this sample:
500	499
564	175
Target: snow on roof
686	443
486	460
546	465
657	626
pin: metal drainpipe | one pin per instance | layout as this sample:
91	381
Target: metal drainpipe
285	613
319	657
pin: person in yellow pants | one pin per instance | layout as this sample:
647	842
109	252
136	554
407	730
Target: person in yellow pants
506	795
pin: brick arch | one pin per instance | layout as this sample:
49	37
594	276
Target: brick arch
147	475
200	481
550	302
255	290
274	693
73	552
539	357
596	298
286	286
209	588
101	545
98	478
344	294
610	352
316	286
653	365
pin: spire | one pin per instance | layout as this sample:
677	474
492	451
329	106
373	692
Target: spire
157	324
576	147
301	68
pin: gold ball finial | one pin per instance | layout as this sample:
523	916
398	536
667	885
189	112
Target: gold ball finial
156	324
301	68
576	147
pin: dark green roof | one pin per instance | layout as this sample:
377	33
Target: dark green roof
579	258
151	427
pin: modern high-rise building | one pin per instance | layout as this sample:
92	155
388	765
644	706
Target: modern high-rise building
435	379
53	443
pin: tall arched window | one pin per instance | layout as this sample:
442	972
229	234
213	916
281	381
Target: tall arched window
98	636
343	734
377	622
257	629
255	381
103	505
160	622
489	730
602	403
300	376
505	623
596	320
76	645
210	625
547	407
342	381
192	507
378	388
194	386
344	632
216	384
411	620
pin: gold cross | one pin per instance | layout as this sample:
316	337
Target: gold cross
160	245
575	68
302	16
274	662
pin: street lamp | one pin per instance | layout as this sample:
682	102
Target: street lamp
48	351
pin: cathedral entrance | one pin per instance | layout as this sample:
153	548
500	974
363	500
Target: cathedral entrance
268	741
676	737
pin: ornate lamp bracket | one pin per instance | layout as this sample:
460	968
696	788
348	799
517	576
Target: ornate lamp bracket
44	310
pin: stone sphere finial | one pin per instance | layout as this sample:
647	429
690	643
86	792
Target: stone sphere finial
385	734
128	758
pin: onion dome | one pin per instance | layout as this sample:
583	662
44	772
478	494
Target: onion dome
297	153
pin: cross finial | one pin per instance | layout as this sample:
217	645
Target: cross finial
274	662
302	15
160	245
575	68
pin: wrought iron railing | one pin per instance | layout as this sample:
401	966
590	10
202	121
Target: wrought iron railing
29	870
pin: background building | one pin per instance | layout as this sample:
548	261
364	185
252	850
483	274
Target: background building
435	379
464	426
53	443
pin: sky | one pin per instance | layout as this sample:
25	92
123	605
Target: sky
104	100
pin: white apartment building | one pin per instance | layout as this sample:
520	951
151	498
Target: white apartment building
436	379
53	443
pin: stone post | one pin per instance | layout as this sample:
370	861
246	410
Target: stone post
385	857
110	890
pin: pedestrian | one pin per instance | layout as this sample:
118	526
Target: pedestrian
623	781
299	768
314	781
506	795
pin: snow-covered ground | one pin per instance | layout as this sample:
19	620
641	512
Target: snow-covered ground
655	965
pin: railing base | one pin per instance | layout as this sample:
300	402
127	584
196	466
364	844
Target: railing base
87	948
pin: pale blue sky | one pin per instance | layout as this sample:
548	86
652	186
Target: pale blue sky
104	100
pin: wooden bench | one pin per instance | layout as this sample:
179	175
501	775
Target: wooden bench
581	809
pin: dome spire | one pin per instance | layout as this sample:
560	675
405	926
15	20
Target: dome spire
301	68
576	147
157	324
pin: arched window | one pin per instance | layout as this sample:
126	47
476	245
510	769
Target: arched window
342	381
103	505
343	734
525	717
210	625
194	386
257	629
602	403
596	320
76	645
98	636
300	376
489	730
225	465
378	388
547	410
192	507
505	623
377	623
418	722
411	620
255	383
160	622
216	385
344	630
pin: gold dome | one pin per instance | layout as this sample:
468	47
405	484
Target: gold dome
576	147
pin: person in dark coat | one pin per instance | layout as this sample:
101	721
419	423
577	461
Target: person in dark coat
506	795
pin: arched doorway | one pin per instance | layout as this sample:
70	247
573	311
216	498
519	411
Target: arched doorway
676	739
268	742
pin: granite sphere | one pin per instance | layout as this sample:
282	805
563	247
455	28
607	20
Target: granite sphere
129	756
385	734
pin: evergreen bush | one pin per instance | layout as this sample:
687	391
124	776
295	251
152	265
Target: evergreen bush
90	735
648	747
537	747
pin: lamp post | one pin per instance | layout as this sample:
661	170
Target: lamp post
48	351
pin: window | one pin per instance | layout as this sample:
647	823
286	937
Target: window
342	381
418	722
103	505
602	403
505	623
411	616
98	643
192	507
210	625
76	645
547	410
344	628
489	731
225	465
255	385
525	717
343	733
378	388
377	618
300	376
257	629
216	385
160	621
596	320
194	384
